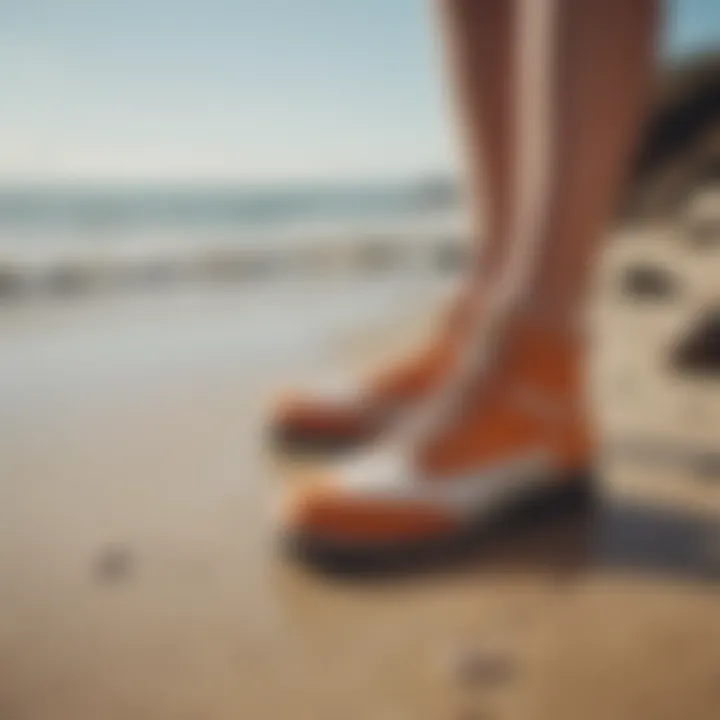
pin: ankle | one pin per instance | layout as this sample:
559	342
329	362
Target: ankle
565	324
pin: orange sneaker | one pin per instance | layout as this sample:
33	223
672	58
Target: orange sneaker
346	415
521	434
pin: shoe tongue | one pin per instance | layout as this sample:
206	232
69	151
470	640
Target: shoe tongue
530	358
541	355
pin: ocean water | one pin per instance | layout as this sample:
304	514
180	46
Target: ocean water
104	214
69	240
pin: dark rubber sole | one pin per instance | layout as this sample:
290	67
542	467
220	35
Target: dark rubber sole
291	441
576	492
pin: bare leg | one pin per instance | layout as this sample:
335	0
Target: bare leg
584	68
479	41
604	54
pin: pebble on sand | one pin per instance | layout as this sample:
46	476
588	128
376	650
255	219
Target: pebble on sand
113	563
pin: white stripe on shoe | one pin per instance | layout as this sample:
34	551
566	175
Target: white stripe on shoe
389	475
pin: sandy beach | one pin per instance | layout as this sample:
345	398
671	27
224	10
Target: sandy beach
138	573
205	204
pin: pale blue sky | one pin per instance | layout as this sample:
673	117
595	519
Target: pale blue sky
233	89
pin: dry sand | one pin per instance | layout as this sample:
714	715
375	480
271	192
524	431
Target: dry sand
138	577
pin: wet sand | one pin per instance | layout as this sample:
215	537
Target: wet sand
138	574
